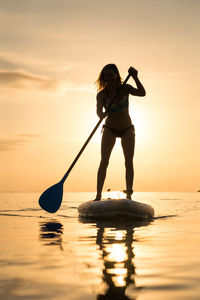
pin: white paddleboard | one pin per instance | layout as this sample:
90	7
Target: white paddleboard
116	209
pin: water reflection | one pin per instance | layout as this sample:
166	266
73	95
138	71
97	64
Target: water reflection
118	267
51	233
117	253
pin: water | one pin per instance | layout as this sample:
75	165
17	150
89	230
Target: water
44	256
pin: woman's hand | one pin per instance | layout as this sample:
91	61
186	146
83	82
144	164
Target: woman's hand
133	72
139	91
102	115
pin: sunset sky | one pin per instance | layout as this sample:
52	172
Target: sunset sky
51	53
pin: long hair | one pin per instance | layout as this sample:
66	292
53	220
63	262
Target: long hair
100	82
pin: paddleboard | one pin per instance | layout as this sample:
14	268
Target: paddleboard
117	209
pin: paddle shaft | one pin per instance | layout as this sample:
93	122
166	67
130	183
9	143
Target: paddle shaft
92	133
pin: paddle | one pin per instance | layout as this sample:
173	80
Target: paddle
51	199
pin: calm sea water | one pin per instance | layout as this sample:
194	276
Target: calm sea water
44	256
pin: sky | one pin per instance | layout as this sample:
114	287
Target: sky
51	53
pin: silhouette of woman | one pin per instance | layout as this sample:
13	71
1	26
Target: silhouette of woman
118	122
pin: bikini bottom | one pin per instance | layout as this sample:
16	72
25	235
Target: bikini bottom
119	132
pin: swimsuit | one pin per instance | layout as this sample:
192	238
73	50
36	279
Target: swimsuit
116	108
120	132
119	107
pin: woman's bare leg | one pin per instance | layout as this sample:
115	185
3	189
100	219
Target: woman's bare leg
128	146
107	144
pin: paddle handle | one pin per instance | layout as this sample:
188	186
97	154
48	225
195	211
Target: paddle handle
92	133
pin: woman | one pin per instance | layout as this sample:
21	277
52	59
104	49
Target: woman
118	122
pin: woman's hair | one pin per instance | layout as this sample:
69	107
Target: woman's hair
100	82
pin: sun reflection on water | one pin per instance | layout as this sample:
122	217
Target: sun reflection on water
116	252
117	256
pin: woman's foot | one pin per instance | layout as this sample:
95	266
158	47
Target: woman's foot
128	194
98	198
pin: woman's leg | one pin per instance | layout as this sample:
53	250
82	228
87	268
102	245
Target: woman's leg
107	144
128	145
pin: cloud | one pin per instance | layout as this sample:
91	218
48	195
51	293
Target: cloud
21	72
7	64
17	141
24	80
28	72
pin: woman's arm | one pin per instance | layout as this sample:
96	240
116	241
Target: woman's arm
100	106
139	91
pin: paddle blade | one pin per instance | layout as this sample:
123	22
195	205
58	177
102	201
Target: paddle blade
51	199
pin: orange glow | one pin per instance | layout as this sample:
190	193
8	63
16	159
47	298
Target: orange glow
48	100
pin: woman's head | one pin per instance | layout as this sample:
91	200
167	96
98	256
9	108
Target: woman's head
109	72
